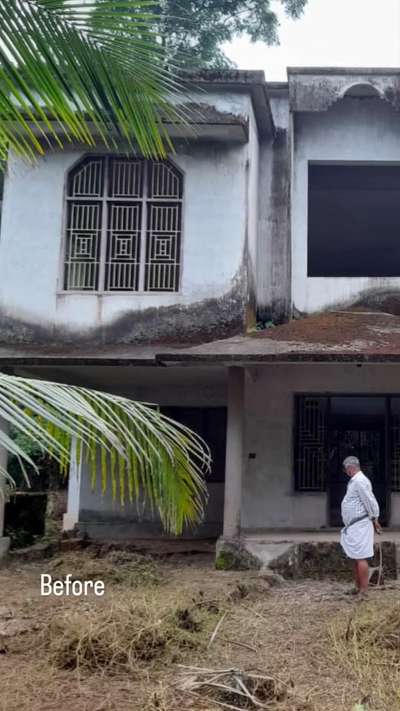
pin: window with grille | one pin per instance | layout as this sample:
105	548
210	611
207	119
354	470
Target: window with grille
355	425
310	456
123	225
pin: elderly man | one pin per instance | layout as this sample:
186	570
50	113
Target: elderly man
360	511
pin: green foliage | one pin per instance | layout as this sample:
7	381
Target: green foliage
31	447
226	561
83	71
194	30
130	447
32	450
261	326
47	475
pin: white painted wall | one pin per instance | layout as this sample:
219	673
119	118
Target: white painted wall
269	499
353	130
214	232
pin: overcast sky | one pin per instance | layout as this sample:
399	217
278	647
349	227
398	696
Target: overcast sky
364	33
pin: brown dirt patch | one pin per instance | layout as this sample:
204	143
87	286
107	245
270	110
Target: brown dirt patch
376	331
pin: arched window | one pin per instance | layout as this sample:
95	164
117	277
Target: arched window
123	225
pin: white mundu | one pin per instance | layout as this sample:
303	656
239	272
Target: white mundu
357	538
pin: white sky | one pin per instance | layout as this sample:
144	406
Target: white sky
352	33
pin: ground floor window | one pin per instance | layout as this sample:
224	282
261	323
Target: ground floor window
330	428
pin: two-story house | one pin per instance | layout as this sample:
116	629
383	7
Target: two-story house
281	207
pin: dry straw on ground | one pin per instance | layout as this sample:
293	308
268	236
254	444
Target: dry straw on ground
366	643
297	647
118	568
126	635
236	689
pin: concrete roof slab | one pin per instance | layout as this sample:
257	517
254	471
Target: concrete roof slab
337	336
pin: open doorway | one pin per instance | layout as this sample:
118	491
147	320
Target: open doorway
329	428
356	427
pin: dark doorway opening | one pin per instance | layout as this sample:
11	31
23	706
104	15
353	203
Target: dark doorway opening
210	423
329	428
356	427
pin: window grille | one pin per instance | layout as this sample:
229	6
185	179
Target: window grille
310	444
124	223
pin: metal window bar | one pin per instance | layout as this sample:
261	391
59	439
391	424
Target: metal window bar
86	181
112	220
164	182
310	444
125	178
163	247
123	247
164	228
82	249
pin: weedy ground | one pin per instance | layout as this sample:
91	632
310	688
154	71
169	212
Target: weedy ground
177	635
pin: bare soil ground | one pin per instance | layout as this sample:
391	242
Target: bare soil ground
131	649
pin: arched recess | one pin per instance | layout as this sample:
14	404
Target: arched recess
361	91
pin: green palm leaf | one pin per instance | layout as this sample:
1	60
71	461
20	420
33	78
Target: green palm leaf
81	71
143	454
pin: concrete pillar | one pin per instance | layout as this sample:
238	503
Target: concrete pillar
4	542
74	489
234	453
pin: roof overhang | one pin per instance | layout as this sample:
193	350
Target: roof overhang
349	336
84	355
203	121
249	82
207	123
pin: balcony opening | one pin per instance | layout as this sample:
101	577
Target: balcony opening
353	220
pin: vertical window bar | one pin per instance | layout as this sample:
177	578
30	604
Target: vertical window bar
104	223
143	226
310	444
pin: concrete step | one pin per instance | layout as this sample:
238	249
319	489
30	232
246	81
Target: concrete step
300	559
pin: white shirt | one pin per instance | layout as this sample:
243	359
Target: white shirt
359	499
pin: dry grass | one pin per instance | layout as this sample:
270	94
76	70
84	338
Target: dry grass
292	647
236	689
118	568
367	646
129	634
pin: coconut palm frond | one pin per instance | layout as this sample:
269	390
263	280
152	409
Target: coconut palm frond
81	71
130	447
